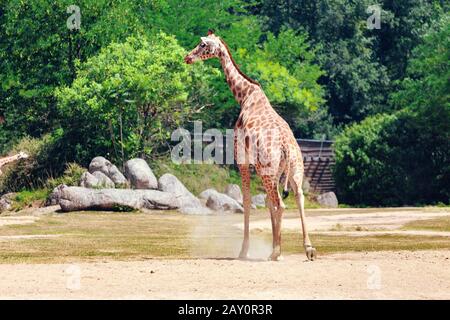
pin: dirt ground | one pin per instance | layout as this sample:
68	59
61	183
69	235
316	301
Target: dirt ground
376	275
352	275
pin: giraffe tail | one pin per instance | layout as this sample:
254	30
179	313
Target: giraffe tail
286	181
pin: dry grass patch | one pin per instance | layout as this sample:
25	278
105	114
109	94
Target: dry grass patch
437	224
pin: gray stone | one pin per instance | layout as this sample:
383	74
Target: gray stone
328	199
53	198
234	191
87	180
220	202
103	180
205	194
79	198
306	186
6	201
188	202
96	180
140	175
111	171
259	200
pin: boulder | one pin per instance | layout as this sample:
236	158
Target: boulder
79	198
188	202
259	200
328	199
96	180
53	198
205	194
87	180
140	175
220	202
103	180
6	201
111	171
306	186
234	191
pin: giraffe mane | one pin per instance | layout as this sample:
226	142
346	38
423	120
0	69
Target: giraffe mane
236	66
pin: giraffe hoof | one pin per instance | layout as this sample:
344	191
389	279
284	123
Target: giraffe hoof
243	256
311	253
275	257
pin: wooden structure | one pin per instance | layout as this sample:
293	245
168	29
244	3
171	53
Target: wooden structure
318	157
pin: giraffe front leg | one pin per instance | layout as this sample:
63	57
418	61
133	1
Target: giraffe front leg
245	177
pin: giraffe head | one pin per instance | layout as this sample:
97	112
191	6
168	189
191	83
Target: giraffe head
22	155
209	47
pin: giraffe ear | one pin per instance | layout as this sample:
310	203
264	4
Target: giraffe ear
210	32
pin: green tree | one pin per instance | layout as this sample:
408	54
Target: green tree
38	53
404	158
125	101
359	64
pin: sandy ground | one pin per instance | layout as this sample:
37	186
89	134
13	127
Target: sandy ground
367	223
376	275
373	275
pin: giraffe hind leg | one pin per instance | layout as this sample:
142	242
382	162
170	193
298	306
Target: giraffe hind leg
296	184
276	213
245	177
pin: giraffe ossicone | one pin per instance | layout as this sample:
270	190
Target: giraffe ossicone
261	129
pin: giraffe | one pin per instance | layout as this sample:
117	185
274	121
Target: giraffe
6	160
262	139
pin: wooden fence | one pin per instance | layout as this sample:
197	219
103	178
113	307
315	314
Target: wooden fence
318	157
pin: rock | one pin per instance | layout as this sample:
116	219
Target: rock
205	194
96	180
259	200
220	202
53	198
188	202
306	186
6	201
140	174
79	198
87	180
234	191
328	199
103	180
111	171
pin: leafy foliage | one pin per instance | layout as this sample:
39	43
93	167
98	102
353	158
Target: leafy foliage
404	158
117	86
360	64
126	99
45	161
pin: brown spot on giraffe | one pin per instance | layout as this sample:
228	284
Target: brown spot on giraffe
264	130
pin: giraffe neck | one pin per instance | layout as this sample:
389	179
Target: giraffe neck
9	159
239	84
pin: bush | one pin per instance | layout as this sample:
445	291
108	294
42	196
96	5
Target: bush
404	158
46	160
396	159
71	177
